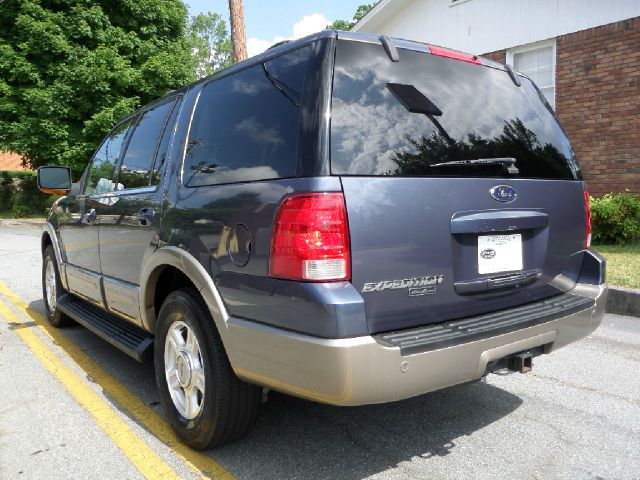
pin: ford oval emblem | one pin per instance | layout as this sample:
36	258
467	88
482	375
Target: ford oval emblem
488	253
503	193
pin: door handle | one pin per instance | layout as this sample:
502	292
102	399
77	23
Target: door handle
145	216
91	216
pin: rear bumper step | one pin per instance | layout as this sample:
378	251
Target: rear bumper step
123	335
455	332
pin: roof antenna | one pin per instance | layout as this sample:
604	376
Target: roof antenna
390	48
512	74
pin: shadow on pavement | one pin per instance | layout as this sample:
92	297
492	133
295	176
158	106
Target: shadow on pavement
295	438
300	439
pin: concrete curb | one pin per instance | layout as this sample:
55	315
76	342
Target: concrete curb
623	301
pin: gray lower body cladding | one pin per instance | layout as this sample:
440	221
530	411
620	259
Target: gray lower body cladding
361	370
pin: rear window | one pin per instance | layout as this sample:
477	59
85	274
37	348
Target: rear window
245	126
431	116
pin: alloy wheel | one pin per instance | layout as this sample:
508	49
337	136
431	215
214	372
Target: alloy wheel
184	369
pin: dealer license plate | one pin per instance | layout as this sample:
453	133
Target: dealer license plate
499	253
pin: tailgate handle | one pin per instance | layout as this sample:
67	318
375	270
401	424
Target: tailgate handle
494	283
479	221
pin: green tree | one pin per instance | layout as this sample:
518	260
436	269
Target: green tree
211	44
341	25
70	69
361	11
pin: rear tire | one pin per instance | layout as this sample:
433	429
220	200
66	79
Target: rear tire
206	403
52	289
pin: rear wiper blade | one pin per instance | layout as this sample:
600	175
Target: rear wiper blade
512	74
507	163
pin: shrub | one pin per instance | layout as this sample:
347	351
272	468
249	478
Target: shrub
20	211
7	191
18	174
615	218
20	195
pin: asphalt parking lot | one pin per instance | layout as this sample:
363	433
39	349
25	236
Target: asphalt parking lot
74	407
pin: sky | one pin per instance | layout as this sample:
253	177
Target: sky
268	22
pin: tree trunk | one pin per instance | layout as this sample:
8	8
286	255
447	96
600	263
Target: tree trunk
238	37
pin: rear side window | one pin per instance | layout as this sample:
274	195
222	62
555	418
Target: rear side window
139	156
245	126
163	148
431	116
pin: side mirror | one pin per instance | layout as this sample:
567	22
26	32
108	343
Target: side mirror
54	180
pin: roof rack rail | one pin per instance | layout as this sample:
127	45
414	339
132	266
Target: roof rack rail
277	44
512	74
390	48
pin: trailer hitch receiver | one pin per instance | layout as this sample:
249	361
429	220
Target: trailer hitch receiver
520	362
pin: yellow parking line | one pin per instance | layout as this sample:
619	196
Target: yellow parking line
142	457
205	465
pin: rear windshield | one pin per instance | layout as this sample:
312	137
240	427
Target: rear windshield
431	116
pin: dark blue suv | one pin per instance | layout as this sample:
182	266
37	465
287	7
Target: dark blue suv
346	218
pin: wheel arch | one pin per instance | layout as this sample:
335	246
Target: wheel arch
45	241
176	265
50	237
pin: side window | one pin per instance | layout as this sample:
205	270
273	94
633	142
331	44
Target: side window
163	149
246	125
138	158
101	171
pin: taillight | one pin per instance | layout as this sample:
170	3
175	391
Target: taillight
587	210
446	53
310	239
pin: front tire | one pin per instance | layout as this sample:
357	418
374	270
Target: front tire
52	289
206	403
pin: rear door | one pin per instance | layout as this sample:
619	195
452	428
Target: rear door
462	192
129	218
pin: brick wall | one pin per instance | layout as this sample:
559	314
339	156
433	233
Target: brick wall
499	56
10	161
598	102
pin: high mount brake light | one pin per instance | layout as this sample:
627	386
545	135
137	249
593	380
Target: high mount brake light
446	53
587	210
310	239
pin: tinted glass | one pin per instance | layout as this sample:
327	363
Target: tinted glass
163	148
100	177
246	125
416	116
139	155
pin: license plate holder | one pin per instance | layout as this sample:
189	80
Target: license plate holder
499	253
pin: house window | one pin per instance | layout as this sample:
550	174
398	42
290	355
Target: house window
538	62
